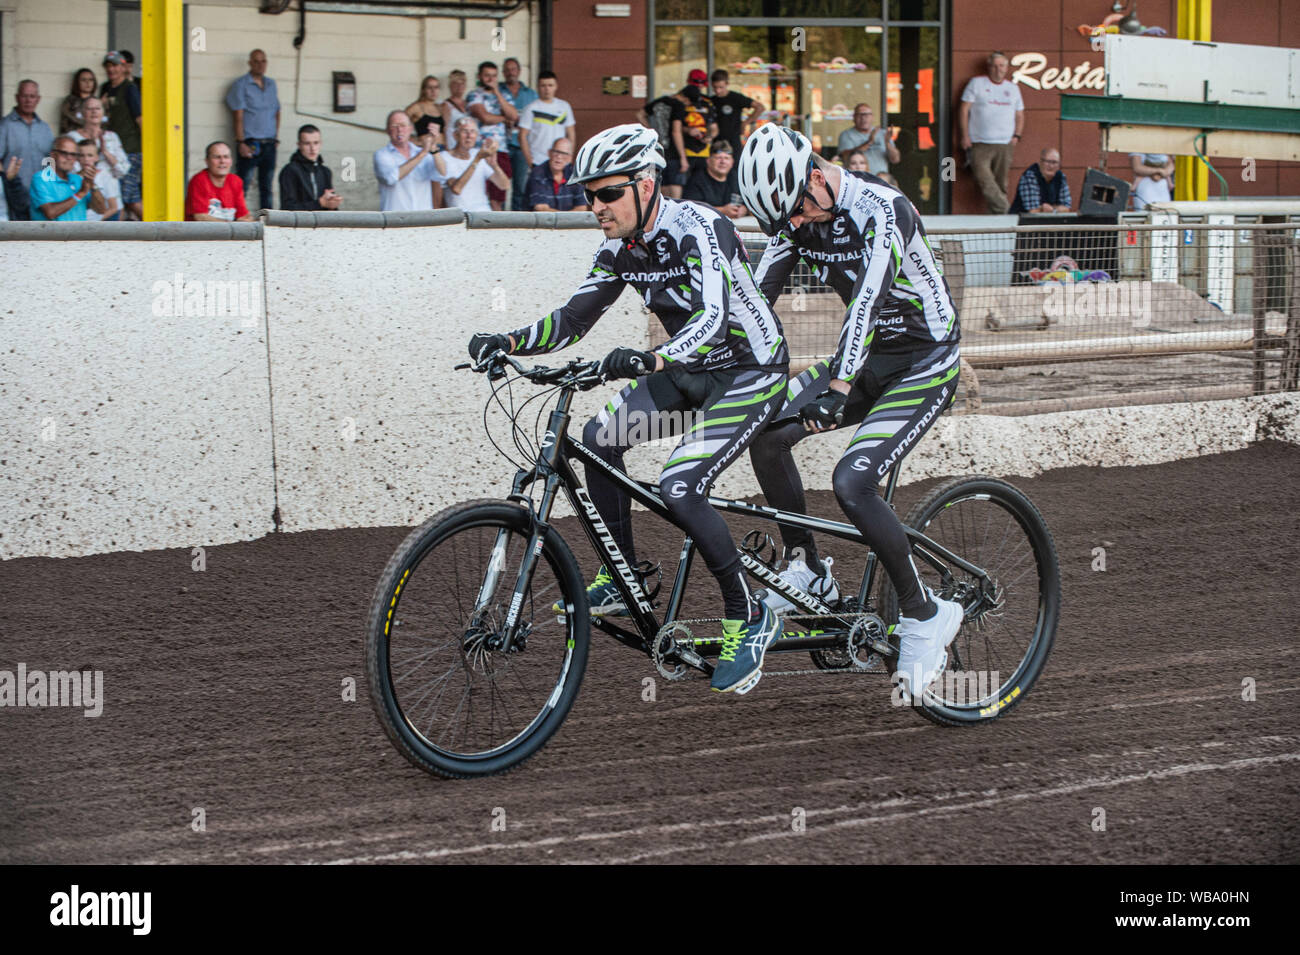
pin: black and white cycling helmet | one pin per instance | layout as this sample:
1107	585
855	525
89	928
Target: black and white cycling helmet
617	150
773	174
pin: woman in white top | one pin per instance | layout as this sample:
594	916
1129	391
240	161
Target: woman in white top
469	172
111	153
454	106
1154	182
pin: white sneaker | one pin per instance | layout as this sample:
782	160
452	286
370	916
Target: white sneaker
802	577
923	645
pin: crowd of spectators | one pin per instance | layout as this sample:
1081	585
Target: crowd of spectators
499	145
489	148
90	170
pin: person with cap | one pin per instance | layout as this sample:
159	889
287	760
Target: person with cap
700	122
681	120
725	359
121	100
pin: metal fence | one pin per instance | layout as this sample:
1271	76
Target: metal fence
1063	317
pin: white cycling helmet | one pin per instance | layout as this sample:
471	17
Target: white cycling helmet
619	149
773	174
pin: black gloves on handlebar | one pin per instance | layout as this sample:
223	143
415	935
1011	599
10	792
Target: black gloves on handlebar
827	410
481	345
627	363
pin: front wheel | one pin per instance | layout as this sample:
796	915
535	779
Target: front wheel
452	698
1011	612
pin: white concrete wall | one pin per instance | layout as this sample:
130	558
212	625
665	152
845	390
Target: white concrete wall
124	429
127	430
373	426
49	40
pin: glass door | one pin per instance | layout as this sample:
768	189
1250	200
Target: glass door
913	118
810	80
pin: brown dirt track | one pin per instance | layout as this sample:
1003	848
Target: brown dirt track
223	692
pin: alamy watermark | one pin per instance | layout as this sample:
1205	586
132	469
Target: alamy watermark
77	907
1085	300
41	688
952	687
628	428
182	296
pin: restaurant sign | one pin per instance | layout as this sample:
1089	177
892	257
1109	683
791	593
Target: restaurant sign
1028	70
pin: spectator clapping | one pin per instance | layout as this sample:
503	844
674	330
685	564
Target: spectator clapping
406	172
468	172
59	192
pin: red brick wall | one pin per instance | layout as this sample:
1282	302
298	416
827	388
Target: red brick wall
979	26
585	48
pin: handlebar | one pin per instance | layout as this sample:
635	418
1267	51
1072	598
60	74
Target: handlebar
578	374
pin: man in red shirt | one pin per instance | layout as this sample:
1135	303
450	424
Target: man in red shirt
216	194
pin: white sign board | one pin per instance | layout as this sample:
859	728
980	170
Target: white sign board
1148	67
1164	248
1191	71
1218	278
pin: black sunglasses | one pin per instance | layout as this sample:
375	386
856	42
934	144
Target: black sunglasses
608	194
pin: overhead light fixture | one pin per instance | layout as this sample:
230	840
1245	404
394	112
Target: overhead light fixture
613	9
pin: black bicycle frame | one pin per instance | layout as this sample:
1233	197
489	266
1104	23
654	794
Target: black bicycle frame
554	468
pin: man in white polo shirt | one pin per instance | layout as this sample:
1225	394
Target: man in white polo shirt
406	172
992	117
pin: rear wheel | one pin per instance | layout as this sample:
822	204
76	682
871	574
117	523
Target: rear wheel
449	695
1011	614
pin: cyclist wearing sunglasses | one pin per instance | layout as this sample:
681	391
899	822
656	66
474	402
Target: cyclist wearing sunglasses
894	370
726	360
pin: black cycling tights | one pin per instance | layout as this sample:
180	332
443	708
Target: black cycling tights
718	414
897	398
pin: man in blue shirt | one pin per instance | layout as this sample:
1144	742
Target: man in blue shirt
25	136
550	188
256	106
59	193
522	96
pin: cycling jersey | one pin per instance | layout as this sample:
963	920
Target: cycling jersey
875	255
693	273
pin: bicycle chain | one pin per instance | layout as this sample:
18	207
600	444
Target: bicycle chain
684	671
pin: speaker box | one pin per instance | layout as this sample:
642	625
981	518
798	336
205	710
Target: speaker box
1102	194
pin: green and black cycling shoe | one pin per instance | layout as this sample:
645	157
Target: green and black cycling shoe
602	597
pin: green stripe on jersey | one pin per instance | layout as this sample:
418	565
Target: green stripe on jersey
752	399
952	373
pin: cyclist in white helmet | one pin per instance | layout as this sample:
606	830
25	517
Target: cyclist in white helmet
894	370
726	359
